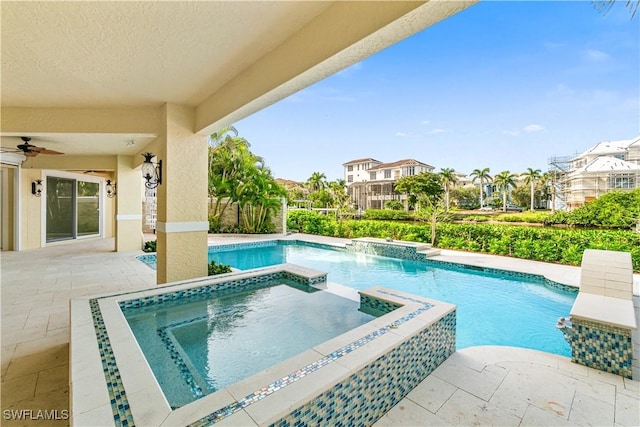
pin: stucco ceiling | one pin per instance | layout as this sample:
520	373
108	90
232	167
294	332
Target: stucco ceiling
136	53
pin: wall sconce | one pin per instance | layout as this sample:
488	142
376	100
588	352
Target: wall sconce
110	188
36	188
151	172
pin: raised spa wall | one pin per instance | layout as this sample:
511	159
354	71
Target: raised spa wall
602	323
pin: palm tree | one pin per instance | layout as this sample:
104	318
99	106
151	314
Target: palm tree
530	177
316	181
483	176
448	177
503	181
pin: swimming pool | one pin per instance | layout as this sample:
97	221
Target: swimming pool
201	344
493	309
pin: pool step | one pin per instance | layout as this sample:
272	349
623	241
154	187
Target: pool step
429	252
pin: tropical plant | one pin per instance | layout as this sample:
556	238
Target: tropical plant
504	180
464	197
260	196
531	176
425	187
481	175
229	159
394	205
340	198
448	178
215	268
150	246
317	181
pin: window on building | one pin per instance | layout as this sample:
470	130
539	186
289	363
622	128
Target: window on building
411	170
619	156
350	168
387	173
372	176
349	178
622	181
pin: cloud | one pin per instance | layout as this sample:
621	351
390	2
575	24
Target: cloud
532	128
401	134
436	131
595	55
528	129
425	122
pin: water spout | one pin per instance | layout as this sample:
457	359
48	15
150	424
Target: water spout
566	327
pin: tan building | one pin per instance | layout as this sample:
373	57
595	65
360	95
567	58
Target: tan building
370	183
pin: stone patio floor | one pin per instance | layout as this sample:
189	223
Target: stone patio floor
476	386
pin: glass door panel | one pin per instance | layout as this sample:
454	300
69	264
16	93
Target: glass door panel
60	209
88	201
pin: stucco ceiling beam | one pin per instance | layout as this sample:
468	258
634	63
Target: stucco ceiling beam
27	121
76	163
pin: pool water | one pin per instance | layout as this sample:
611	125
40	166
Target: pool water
492	309
197	346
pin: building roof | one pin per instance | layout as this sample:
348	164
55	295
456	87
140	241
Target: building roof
404	162
368	159
610	147
608	164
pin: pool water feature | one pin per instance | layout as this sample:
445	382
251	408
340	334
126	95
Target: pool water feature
198	345
493	309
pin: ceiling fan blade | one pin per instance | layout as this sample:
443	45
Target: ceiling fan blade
31	153
37	149
49	152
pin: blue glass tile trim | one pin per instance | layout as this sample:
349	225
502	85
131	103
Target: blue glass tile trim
366	395
228	410
207	290
150	260
119	404
600	346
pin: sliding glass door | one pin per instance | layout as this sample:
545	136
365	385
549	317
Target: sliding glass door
88	208
73	208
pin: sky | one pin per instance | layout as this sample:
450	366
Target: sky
503	85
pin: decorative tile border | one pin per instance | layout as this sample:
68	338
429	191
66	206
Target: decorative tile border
445	348
120	405
231	284
117	395
369	393
604	347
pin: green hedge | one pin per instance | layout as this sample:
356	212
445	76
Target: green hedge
563	246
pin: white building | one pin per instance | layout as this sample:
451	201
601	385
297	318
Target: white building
370	183
607	166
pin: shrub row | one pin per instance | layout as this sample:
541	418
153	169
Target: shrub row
536	243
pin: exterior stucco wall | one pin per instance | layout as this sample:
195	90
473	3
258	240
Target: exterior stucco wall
31	230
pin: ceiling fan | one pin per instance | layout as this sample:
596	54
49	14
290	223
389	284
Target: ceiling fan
31	150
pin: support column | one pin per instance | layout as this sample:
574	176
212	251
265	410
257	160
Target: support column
128	200
182	224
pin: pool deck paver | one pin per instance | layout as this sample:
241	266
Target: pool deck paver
476	386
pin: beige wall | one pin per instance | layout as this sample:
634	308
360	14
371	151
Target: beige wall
31	210
8	218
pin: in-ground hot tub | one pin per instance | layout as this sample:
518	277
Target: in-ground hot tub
354	377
